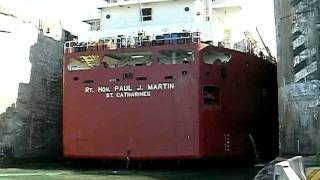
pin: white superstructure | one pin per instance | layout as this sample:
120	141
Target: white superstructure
217	21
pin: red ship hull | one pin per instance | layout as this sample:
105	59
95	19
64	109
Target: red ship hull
170	111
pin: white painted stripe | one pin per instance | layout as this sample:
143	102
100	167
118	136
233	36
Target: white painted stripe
305	71
299	27
301	57
299	41
304	55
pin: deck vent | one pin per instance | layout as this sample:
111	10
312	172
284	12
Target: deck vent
169	77
88	81
139	64
105	65
114	79
141	78
186	62
184	72
127	75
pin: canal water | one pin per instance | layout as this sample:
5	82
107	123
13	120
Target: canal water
57	171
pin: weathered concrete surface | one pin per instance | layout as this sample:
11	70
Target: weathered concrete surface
33	128
298	29
300	128
5	131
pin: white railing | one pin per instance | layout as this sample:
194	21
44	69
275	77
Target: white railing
111	3
116	1
130	1
132	42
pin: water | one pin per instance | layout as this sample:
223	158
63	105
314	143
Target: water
73	172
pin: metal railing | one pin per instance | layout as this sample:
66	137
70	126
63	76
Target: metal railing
132	42
124	1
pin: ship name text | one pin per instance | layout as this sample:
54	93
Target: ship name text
129	91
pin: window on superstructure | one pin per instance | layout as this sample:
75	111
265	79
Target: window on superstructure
146	14
94	25
83	62
116	59
112	1
176	56
215	57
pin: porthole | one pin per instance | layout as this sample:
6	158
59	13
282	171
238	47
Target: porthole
108	16
186	9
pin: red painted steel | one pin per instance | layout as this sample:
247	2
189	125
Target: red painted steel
173	123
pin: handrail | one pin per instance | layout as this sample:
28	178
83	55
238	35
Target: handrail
132	42
121	1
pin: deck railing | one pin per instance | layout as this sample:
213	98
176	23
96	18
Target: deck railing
132	42
131	1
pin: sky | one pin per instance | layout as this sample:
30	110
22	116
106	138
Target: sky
14	47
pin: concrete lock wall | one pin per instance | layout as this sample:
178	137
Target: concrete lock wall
32	128
298	29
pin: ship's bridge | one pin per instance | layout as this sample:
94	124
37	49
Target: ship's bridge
227	4
217	20
111	3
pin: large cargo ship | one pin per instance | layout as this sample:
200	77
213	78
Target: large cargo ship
159	86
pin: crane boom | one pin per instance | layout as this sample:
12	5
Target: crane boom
4	31
265	46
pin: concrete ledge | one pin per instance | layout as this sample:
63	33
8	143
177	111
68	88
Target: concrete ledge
296	163
291	169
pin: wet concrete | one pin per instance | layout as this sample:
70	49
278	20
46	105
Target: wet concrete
56	171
